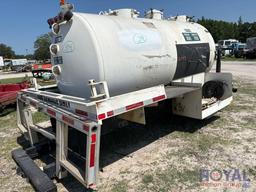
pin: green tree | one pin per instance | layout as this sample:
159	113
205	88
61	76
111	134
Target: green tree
42	47
240	21
30	56
229	30
6	51
20	56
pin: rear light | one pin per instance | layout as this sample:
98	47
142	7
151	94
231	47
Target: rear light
56	70
54	49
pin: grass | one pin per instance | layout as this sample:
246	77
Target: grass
39	117
27	189
120	186
21	79
195	145
253	172
198	142
147	179
7	121
13	80
7	145
165	180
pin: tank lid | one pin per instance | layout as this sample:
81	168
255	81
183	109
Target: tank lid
126	13
182	18
154	14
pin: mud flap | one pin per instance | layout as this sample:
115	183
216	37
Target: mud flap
40	181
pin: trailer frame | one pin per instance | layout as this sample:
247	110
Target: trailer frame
87	116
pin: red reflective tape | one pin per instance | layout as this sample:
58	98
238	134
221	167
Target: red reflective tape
51	112
110	113
80	112
133	106
86	128
159	98
67	120
93	138
102	116
92	155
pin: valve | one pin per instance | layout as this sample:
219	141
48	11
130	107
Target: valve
62	2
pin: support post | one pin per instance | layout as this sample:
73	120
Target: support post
218	64
33	136
21	117
92	155
61	148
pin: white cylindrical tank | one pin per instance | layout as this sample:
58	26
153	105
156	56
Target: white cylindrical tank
128	53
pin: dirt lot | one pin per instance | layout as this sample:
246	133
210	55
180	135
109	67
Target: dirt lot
169	153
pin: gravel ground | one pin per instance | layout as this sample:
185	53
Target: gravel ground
169	153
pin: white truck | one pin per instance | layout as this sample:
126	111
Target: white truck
227	46
17	65
136	63
1	62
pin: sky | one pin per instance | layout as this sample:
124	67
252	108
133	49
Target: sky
22	21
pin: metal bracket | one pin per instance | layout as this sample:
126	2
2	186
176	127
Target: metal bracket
29	121
99	90
34	81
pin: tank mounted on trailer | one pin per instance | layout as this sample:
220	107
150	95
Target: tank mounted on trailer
127	52
114	65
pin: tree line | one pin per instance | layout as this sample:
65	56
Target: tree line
229	30
41	46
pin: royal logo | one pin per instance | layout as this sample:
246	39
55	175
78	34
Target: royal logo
228	178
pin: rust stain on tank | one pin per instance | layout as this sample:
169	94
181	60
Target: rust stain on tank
148	68
156	56
151	67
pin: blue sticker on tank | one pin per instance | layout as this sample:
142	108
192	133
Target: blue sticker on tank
58	60
58	39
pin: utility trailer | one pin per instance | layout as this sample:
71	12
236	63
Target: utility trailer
8	93
194	96
39	69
